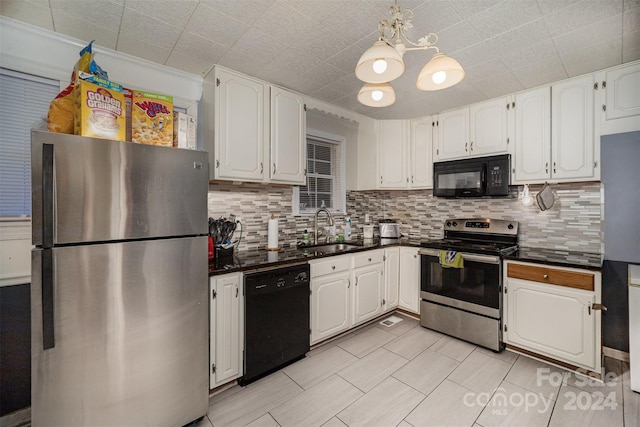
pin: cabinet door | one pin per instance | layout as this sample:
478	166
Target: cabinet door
533	135
392	140
330	304
621	110
288	139
239	127
453	131
391	277
228	334
572	144
421	154
368	291
554	321
488	125
409	297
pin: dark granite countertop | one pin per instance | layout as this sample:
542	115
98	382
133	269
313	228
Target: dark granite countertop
261	258
561	258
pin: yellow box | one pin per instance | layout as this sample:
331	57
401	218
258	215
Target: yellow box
152	119
99	109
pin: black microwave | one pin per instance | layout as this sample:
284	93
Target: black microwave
479	177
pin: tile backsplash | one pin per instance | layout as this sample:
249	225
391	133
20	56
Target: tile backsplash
573	223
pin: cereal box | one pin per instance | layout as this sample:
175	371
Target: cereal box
99	109
152	119
184	131
128	94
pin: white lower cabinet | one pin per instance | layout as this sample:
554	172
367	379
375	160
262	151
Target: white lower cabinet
554	312
226	328
409	279
391	277
368	285
330	297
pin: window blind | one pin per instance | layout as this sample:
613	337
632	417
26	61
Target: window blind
25	102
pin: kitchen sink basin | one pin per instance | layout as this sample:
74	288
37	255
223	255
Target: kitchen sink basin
330	248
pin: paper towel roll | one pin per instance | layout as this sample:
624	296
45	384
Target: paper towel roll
272	235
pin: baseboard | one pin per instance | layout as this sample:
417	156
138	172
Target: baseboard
18	418
615	354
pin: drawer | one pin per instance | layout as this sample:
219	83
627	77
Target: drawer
330	265
368	258
552	276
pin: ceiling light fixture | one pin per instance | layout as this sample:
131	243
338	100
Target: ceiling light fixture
383	62
377	95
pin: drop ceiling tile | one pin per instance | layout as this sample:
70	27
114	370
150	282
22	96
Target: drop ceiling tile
631	20
498	85
550	6
194	46
175	13
631	46
541	72
484	70
537	52
148	31
433	16
504	17
317	9
520	38
32	13
581	14
294	63
630	4
473	54
469	8
215	26
84	30
189	63
457	37
283	22
246	11
601	54
359	22
610	28
347	59
136	47
322	42
382	6
105	13
323	75
252	53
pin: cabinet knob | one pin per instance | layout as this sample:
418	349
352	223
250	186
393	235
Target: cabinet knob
369	259
546	276
333	267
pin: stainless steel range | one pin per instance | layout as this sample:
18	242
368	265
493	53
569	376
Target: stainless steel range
463	297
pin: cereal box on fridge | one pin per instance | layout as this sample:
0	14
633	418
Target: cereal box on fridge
99	109
152	119
184	131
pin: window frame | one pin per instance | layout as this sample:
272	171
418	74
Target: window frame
339	200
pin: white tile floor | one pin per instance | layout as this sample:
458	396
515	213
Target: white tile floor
407	375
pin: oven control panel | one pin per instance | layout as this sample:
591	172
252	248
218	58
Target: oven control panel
482	225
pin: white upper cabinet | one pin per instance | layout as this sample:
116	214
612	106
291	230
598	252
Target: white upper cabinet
619	103
421	153
288	134
392	154
453	134
258	132
240	127
572	132
532	152
478	130
488	122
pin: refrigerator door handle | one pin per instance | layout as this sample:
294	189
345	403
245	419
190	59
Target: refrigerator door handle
48	334
47	196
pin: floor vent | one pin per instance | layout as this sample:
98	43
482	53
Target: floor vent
390	321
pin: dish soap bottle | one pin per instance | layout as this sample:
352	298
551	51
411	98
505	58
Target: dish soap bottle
347	229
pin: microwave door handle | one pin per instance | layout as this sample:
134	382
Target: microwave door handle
484	179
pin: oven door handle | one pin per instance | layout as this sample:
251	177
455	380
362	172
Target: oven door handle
485	259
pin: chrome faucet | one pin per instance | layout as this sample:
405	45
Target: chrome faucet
315	223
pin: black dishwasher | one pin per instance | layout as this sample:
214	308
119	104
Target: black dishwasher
276	320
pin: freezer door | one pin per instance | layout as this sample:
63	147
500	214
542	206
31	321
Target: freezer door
96	190
130	325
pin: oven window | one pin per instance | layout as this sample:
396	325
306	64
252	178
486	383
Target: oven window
477	282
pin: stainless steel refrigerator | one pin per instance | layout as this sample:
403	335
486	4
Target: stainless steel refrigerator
119	289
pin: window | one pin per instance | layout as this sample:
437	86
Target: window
325	175
25	101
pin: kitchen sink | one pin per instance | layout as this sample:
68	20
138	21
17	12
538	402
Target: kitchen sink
330	248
